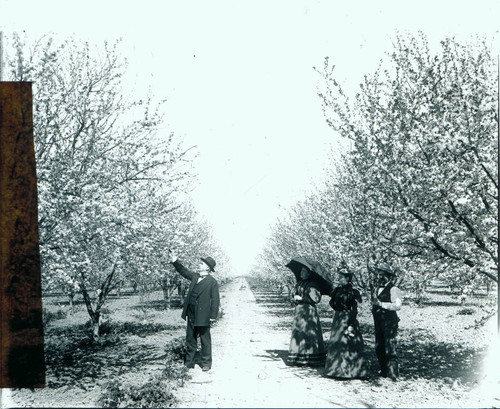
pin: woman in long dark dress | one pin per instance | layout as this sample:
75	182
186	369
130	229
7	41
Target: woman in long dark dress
307	347
345	349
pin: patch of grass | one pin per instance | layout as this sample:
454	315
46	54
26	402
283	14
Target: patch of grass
65	302
49	316
74	359
154	393
160	305
135	328
158	390
466	311
176	302
105	311
176	349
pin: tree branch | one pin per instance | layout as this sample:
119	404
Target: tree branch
86	297
489	175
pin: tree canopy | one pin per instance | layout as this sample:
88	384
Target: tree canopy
418	187
111	180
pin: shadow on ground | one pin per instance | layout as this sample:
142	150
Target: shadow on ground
427	361
420	354
73	359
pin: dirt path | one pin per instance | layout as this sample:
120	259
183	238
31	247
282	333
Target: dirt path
249	370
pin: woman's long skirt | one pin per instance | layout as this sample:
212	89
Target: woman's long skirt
345	353
307	347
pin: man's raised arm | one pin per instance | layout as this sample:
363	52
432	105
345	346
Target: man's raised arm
183	271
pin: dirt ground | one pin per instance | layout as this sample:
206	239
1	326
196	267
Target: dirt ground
249	349
138	356
250	344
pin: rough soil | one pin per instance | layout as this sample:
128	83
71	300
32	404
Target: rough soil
249	370
250	344
75	388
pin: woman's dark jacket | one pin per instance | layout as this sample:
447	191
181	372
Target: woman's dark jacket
346	298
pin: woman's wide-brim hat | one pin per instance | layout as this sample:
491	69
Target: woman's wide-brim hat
209	261
386	269
344	271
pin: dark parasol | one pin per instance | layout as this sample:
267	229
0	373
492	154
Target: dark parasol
317	273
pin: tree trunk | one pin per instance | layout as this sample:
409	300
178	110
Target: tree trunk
71	297
420	294
166	287
102	293
95	326
166	297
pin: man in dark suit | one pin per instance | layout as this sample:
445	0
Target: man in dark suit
201	308
386	301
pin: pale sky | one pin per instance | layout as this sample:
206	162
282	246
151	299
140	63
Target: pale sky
240	85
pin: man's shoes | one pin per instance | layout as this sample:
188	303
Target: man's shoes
205	369
190	366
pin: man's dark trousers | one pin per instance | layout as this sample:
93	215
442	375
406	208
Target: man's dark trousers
192	333
386	329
